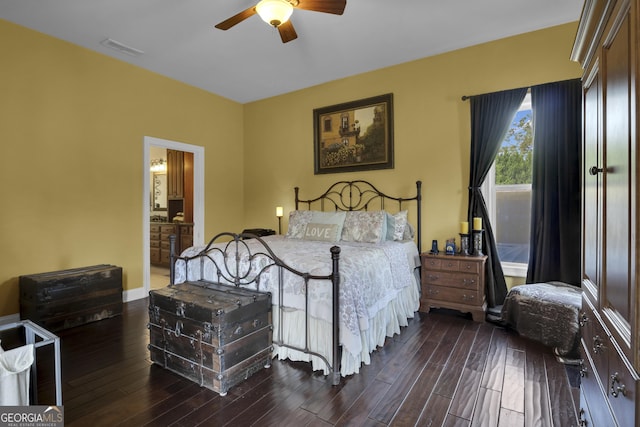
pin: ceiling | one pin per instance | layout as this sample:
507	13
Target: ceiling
249	62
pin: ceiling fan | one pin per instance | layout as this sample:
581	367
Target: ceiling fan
277	12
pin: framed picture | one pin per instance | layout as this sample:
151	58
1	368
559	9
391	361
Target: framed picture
354	136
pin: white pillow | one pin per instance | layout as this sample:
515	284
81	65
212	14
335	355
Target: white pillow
365	226
298	221
409	232
396	225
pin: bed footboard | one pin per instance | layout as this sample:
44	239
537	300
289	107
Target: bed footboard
246	260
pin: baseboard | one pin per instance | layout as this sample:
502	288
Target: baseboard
133	294
12	318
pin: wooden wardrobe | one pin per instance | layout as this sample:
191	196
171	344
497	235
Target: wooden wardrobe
607	47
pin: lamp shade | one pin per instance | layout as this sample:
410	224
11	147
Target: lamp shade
274	12
279	211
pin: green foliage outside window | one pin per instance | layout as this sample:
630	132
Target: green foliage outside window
514	162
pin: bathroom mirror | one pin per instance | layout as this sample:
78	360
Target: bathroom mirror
159	192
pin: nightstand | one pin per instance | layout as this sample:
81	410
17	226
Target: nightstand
455	282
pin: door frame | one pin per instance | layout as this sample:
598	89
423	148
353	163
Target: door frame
198	202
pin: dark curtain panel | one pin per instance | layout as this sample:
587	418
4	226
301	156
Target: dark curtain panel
554	252
491	116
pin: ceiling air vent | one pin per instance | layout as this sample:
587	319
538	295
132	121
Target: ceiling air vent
112	44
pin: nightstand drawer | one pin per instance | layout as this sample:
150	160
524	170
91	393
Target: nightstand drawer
431	263
450	265
455	295
457	280
470	267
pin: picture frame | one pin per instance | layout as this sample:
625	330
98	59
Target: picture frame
354	136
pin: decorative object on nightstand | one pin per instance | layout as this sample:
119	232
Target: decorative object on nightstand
450	247
455	282
464	244
434	247
279	213
477	242
477	236
464	238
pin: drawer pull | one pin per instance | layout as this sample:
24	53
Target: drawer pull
468	297
598	344
433	291
582	422
450	264
433	277
583	319
468	267
617	389
583	369
469	281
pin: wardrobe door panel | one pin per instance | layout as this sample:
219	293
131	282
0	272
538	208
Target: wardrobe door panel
619	266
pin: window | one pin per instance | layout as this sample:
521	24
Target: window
327	124
345	122
507	192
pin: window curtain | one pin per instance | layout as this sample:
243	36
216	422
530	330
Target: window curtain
554	250
491	116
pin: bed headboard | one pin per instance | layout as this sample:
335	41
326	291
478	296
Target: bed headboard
361	195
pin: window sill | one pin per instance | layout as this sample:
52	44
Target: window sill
514	269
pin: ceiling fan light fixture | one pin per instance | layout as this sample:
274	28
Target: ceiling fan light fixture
274	12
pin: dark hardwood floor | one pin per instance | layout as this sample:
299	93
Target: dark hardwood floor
443	369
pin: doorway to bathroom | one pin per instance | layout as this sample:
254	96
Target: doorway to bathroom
173	204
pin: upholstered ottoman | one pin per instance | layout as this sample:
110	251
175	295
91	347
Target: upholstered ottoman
546	313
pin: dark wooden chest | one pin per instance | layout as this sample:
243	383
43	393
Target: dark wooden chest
63	299
215	335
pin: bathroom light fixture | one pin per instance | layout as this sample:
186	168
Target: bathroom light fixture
274	12
158	165
279	214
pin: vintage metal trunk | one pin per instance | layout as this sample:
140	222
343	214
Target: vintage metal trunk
63	299
215	335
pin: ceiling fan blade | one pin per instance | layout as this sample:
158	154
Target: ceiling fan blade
287	32
236	19
327	6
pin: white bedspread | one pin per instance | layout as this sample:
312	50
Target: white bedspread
374	277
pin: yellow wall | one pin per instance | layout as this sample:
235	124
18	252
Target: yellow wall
431	126
72	124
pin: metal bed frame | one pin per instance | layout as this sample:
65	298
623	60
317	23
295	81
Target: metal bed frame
343	195
360	195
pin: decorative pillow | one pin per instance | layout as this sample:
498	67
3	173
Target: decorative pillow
409	232
298	221
365	226
399	224
396	226
336	218
322	232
